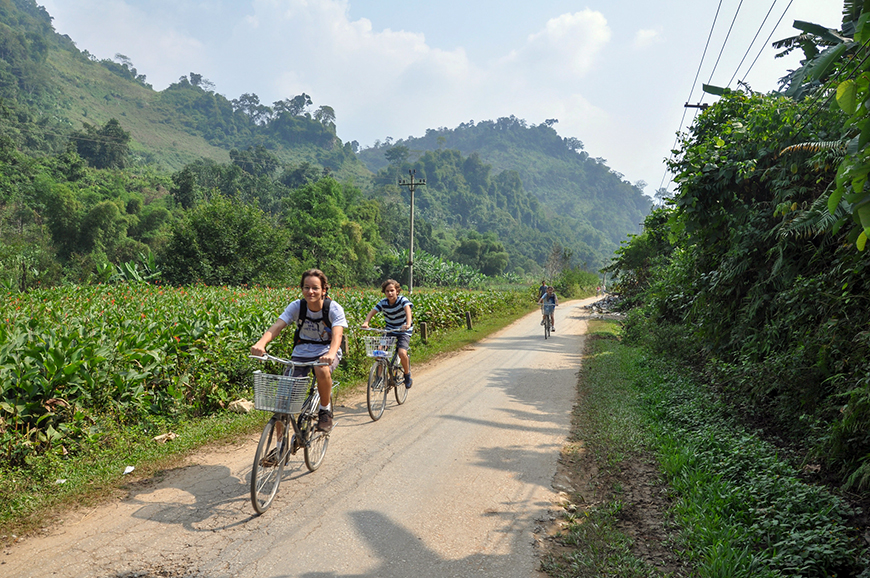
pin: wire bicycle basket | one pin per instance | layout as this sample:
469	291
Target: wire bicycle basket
279	393
379	345
547	308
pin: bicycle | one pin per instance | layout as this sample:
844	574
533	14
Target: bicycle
384	375
546	311
294	402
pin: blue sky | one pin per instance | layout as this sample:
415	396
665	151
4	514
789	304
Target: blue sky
614	73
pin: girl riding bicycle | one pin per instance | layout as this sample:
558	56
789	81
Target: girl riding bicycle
397	313
549	302
318	337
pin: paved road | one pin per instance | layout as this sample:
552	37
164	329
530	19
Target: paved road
452	483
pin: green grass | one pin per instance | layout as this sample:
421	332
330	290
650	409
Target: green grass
739	509
607	422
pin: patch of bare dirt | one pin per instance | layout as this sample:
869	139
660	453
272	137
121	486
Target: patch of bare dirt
643	517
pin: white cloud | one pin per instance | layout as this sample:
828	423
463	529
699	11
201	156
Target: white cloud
566	47
380	82
645	38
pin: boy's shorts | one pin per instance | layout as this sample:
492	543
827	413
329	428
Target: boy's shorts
303	371
403	340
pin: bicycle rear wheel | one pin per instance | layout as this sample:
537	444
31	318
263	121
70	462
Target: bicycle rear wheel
399	387
376	392
316	443
268	465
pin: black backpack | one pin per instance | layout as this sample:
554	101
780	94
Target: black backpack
303	315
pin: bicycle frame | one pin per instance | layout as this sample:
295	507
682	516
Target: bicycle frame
383	375
312	400
276	446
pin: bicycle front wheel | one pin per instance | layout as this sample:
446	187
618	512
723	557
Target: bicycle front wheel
316	443
547	328
268	464
400	389
376	392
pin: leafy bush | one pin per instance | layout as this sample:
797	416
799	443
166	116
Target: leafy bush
76	357
739	506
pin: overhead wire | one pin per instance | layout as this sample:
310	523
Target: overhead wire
748	70
769	36
692	89
724	43
829	94
754	38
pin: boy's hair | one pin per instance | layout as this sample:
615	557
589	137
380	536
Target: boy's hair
324	284
389	282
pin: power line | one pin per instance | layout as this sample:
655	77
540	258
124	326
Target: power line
754	38
725	42
769	36
832	93
692	89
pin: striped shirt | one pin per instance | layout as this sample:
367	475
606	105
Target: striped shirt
394	314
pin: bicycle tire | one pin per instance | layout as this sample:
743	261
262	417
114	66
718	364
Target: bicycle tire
376	391
547	328
316	443
265	479
399	388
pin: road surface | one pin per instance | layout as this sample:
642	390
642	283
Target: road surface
451	484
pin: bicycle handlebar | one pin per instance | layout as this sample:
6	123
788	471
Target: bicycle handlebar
269	357
379	330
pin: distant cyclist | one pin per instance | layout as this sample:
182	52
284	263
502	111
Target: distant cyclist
549	298
542	290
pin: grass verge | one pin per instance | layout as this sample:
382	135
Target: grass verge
729	505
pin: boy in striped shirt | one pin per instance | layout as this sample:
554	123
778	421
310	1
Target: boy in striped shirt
397	314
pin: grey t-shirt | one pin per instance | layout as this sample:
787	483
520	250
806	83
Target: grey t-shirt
314	328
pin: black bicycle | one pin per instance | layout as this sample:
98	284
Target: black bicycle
547	311
295	402
386	372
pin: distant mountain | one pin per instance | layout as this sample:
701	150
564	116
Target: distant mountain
596	206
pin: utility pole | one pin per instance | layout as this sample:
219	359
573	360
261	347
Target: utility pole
412	184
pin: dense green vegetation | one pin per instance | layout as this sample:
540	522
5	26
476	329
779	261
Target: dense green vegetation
737	508
751	273
87	146
80	363
541	189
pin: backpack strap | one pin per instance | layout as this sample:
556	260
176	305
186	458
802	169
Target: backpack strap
303	315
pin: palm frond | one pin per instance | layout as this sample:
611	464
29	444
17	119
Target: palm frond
837	146
852	11
814	221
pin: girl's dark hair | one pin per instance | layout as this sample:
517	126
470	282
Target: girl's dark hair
315	273
389	282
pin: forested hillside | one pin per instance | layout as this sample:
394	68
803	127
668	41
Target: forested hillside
592	199
104	176
756	272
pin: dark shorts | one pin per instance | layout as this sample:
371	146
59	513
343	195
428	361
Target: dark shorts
302	371
403	340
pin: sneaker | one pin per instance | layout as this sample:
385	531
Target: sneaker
542	321
408	382
324	421
552	330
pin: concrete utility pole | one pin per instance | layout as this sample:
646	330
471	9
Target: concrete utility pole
411	183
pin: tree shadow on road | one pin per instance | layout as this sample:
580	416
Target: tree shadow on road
401	553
